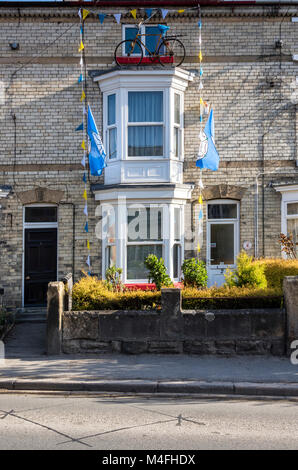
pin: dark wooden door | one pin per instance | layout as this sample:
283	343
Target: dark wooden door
40	264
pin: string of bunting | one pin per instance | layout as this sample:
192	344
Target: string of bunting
202	105
83	127
134	12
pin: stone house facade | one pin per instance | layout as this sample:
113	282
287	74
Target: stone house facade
250	80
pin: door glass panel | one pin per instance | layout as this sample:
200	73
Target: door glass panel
222	211
222	243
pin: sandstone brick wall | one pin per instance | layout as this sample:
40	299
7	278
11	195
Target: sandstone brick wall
252	119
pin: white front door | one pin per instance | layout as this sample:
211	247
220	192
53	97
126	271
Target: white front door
222	239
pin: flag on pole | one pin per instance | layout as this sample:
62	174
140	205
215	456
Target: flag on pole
97	154
208	156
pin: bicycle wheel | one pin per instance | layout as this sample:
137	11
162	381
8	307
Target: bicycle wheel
128	49
173	51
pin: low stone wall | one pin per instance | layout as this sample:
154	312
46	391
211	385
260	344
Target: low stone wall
172	330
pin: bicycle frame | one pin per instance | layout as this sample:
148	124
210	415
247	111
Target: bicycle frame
138	38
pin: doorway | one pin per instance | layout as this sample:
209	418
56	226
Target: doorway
40	252
222	239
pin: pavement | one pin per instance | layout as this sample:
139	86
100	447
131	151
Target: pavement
27	367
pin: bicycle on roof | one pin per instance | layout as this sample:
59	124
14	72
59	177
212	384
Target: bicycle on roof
168	49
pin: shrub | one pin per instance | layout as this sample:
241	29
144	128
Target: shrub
276	269
89	293
231	298
113	279
247	273
194	273
157	272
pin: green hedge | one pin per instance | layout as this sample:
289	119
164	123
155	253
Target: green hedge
276	269
91	294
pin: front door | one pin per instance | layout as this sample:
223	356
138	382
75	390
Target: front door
40	263
222	239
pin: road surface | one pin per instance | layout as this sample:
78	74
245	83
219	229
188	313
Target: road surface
30	421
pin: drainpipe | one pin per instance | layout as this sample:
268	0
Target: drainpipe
73	234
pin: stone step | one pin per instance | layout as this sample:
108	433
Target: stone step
31	319
31	315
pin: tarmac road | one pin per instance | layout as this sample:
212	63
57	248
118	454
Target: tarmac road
32	421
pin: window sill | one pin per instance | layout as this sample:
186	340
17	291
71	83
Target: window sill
144	61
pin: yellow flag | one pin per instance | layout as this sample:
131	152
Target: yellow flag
201	101
85	13
200	200
83	145
200	56
83	96
181	11
198	247
88	245
81	46
134	13
85	195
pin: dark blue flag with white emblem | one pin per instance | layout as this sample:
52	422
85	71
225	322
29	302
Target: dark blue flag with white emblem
97	154
208	156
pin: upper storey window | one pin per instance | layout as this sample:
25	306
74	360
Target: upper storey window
143	111
150	37
145	124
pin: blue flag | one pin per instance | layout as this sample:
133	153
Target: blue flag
97	154
208	156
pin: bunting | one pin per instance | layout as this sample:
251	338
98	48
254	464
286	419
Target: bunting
83	13
201	186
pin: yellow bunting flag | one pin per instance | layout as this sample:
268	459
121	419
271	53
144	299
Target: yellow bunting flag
81	46
200	56
85	195
198	247
181	11
200	200
134	13
83	145
85	13
88	245
201	101
83	96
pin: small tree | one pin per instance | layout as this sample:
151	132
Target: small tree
157	272
247	273
113	279
194	273
287	245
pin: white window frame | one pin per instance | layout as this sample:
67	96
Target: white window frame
110	127
162	123
146	242
174	125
